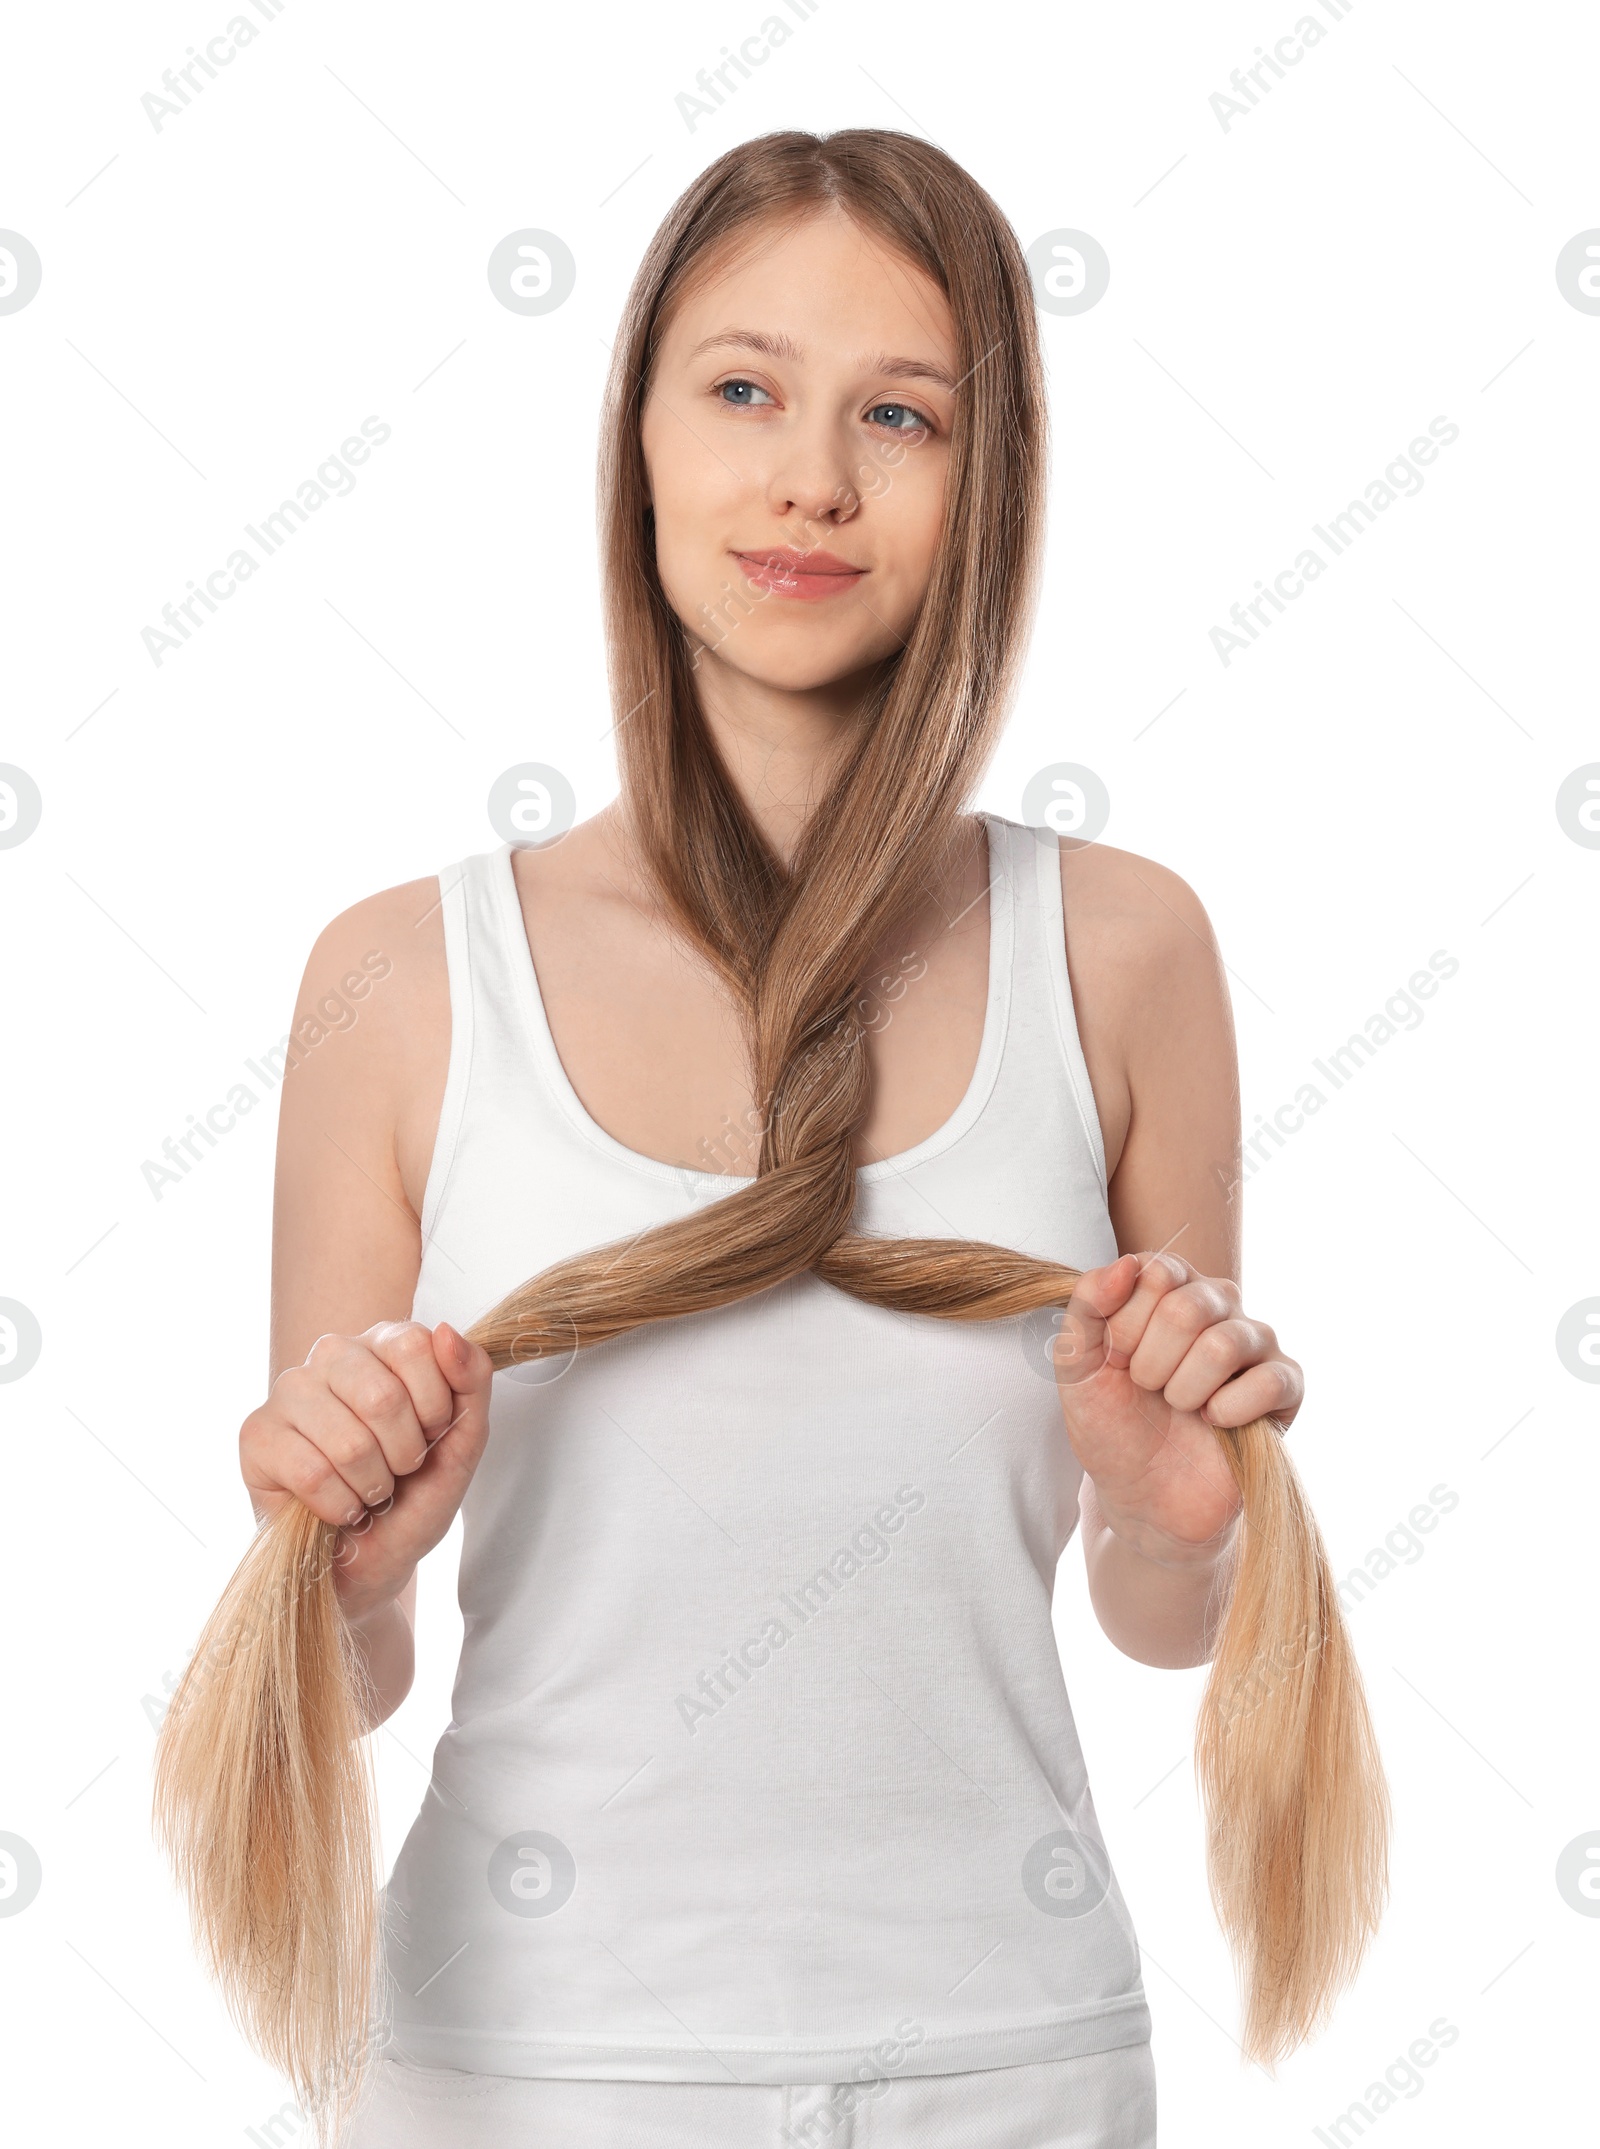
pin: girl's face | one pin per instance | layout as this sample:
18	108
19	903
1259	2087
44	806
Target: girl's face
796	435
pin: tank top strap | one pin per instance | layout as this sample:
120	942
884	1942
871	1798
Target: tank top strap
486	1038
1042	1036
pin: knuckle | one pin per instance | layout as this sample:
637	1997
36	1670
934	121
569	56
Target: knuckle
307	1475
377	1395
1189	1311
1221	1343
406	1339
345	1446
280	1414
1211	1349
434	1416
292	1384
310	1476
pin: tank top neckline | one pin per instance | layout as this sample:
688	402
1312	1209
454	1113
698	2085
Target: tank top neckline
996	1023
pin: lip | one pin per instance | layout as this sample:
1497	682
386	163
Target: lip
784	572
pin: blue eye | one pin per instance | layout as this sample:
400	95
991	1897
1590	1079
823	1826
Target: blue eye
892	417
914	421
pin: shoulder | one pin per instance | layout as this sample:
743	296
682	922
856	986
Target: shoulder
377	978
386	949
1148	989
1130	913
370	1040
1156	1021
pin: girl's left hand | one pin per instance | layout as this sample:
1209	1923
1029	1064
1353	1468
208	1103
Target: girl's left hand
1152	1356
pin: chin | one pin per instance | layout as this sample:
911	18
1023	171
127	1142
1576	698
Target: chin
797	670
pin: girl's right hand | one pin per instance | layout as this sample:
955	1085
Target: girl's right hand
378	1434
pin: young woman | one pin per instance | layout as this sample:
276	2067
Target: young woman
761	1816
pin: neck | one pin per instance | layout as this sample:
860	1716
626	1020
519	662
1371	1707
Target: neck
781	746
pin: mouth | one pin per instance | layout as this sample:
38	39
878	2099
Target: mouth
783	572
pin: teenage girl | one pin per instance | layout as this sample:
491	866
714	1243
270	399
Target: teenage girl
761	1816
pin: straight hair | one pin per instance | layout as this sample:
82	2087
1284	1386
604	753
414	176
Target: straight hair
263	1788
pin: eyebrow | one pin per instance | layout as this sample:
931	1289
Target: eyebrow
752	339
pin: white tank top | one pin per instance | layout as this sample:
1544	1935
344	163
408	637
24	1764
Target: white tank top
760	1760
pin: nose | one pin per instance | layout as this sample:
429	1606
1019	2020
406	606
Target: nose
811	479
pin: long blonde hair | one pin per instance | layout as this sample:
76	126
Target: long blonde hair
264	1797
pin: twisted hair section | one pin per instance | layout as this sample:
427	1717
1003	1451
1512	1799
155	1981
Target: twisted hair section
263	1795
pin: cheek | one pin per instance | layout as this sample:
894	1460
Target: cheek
692	493
908	508
670	466
683	547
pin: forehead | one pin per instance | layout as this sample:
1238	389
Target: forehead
827	283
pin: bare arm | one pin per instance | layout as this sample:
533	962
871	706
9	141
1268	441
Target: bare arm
358	1110
1157	1032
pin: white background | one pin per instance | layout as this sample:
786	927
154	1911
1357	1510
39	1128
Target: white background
1292	300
